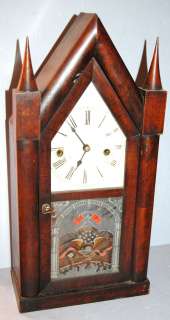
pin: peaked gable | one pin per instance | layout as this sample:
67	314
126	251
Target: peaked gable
92	73
84	38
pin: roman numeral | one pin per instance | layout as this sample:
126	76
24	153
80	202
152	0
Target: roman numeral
59	163
85	177
87	117
113	163
99	172
118	146
108	134
70	173
63	134
115	129
72	122
102	121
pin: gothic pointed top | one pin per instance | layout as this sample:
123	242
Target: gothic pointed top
17	67
153	80
143	69
27	81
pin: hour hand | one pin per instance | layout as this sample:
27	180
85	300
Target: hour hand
79	162
73	169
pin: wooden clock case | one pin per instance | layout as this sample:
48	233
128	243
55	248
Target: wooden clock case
36	106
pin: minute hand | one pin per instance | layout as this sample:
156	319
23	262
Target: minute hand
74	130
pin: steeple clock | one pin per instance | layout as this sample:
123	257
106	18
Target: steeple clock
82	144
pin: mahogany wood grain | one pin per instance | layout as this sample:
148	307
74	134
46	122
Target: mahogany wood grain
143	68
44	220
76	195
27	80
81	37
26	130
80	29
144	204
117	290
131	179
154	112
82	54
153	79
87	35
28	216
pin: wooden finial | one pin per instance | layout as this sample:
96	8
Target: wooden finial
143	69
153	80
27	81
17	67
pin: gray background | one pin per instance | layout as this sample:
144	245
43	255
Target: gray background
128	23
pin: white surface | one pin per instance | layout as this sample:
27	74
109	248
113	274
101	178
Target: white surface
96	170
128	23
153	306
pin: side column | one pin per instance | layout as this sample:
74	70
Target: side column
144	207
151	128
26	116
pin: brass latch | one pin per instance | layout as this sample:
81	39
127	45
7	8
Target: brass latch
47	209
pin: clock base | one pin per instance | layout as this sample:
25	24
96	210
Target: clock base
117	290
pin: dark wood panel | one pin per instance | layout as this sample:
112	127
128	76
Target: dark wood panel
45	220
28	215
80	38
154	112
26	125
118	290
131	179
144	207
80	30
77	195
80	283
86	35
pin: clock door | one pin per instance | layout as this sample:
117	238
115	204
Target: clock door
88	151
87	181
87	154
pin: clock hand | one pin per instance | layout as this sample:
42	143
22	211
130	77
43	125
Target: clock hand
79	162
79	137
73	169
74	131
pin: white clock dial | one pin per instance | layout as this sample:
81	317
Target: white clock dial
88	151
